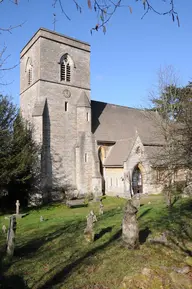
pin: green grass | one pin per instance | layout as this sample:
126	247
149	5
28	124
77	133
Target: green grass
54	253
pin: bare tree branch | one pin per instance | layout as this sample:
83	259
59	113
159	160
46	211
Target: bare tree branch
105	9
10	28
3	56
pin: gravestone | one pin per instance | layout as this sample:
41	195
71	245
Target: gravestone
101	207
4	229
89	232
136	201
17	207
41	219
75	203
11	236
130	230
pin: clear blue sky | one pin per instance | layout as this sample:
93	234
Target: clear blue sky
124	62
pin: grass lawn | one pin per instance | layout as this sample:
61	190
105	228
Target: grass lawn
54	253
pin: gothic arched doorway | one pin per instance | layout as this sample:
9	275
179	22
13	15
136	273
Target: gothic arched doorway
137	181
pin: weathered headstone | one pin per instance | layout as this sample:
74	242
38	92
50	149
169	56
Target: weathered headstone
4	229
101	207
41	219
136	201
89	232
130	230
17	207
11	236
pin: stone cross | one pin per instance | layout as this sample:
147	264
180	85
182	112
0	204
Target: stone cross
17	207
101	206
88	232
11	236
130	229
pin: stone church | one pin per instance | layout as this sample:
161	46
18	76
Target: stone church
87	146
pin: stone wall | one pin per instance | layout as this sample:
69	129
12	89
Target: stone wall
114	183
62	129
149	177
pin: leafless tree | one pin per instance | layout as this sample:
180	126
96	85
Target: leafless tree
174	121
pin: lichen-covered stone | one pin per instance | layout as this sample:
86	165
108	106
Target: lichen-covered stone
64	134
156	279
130	230
89	232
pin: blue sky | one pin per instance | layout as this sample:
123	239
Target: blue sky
124	61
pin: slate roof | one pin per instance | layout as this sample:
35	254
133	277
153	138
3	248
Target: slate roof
122	124
113	122
119	153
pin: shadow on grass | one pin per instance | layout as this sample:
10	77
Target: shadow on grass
64	272
32	246
103	232
144	213
182	246
112	212
177	221
143	235
12	281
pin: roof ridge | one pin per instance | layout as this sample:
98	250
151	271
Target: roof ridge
123	139
123	106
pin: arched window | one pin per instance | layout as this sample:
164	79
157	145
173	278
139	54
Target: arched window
66	64
137	180
28	71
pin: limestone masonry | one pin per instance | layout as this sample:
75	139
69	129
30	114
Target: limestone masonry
87	146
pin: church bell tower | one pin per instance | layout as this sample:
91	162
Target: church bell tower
55	99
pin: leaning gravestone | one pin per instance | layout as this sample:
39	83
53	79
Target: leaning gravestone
89	232
11	236
130	230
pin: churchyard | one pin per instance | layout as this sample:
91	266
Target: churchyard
51	250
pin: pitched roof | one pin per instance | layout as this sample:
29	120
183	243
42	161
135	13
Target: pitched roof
113	122
83	100
39	108
119	153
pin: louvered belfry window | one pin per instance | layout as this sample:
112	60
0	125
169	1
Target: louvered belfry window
65	69
29	76
68	78
29	71
63	74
